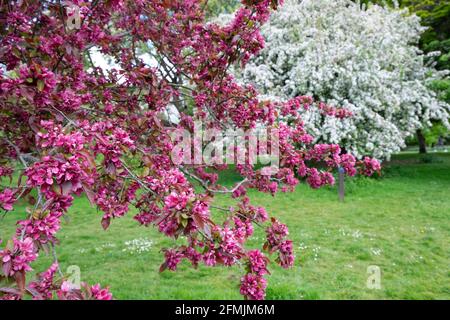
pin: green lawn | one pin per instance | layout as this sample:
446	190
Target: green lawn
399	222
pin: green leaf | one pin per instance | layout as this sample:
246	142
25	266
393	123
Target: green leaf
40	85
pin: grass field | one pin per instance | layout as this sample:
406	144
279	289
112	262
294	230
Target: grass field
399	222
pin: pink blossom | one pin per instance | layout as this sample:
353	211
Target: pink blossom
230	248
242	229
113	207
42	230
276	233
19	259
261	215
44	286
176	201
68	174
201	209
286	254
209	258
99	293
173	258
315	178
193	256
144	218
253	287
370	166
7	199
257	262
55	137
95	292
348	162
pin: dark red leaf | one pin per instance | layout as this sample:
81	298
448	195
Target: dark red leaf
106	222
198	221
89	194
163	267
7	268
20	280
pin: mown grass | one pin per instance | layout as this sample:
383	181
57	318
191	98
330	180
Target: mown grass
399	222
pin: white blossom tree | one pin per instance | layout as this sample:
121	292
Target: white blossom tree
362	59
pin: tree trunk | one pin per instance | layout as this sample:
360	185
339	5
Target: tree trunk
422	142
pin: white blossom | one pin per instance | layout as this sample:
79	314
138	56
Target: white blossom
362	59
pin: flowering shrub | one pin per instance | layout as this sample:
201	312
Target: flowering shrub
365	60
70	128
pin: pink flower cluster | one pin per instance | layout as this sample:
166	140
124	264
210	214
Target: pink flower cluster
163	181
34	83
50	172
317	179
19	20
257	262
55	137
200	209
276	234
253	287
95	292
150	213
247	211
369	166
230	248
348	163
113	206
7	199
44	286
173	258
177	201
18	259
286	256
329	153
292	106
243	229
43	229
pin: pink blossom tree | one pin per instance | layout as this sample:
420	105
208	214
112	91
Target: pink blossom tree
69	128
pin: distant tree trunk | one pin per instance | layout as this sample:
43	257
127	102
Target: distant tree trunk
422	142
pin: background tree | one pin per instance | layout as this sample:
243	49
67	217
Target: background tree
364	59
435	15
